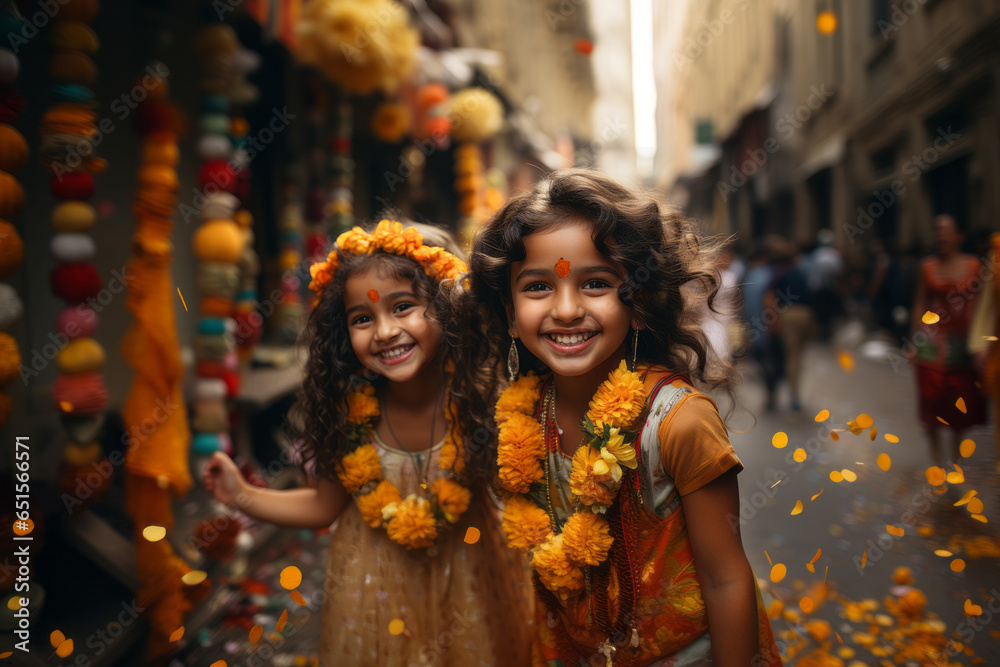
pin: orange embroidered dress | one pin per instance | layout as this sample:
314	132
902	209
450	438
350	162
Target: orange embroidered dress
683	446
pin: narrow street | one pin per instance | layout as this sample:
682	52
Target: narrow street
848	521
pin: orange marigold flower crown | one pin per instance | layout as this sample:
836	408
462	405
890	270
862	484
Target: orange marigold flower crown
388	237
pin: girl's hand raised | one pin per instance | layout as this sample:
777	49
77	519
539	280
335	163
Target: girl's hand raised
223	479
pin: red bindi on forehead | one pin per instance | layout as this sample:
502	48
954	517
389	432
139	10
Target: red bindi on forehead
373	295
562	267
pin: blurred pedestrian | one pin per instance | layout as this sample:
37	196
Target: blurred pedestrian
762	337
825	267
946	293
792	300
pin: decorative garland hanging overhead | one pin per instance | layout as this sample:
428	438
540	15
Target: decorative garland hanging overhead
68	130
476	116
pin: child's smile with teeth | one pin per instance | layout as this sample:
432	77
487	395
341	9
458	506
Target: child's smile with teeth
396	351
571	339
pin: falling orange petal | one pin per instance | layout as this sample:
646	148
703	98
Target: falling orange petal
834	435
849	475
864	559
472	535
935	476
980	518
256	632
66	406
65	648
826	572
811	567
822	415
966	498
956	476
183	303
943	422
562	267
806	604
972	609
865	420
776	484
798	508
967	448
780	439
373	295
768	557
975	506
799	455
957	565
846	361
218	663
290	577
944	553
817	495
177	634
855	428
838	637
960	404
778	572
893	530
154	533
872	434
4	656
891	438
884	461
282	620
583	46
299	600
14	603
774	611
56	637
396	626
925	531
930	318
815	558
194	577
836	476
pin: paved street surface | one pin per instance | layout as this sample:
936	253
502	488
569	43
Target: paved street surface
850	518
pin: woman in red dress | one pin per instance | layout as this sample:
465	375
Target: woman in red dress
948	286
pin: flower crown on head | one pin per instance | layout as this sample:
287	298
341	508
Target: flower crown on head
389	237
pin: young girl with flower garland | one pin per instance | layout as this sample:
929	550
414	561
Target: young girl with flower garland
620	477
379	421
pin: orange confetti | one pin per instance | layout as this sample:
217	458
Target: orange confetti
980	518
373	295
256	632
966	498
836	476
872	434
960	404
806	604
774	611
819	552
944	553
396	626
218	663
838	637
967	448
768	557
194	577
56	637
562	267
864	559
849	475
182	299
893	530
154	533
472	535
177	634
943	422
975	506
826	572
957	565
65	648
4	656
956	476
930	318
811	567
846	361
834	435
972	609
66	406
800	455
891	438
299	600
583	46
798	508
282	620
290	577
884	461
778	572
935	476
14	602
780	439
817	495
822	415
865	420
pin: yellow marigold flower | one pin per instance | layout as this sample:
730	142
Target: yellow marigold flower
556	572
624	453
426	255
619	399
585	485
452	498
371	504
518	471
396	240
524	433
356	241
607	465
413	526
520	397
525	524
359	467
587	538
362	405
452	457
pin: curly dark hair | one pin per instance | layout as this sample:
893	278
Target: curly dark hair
671	272
332	370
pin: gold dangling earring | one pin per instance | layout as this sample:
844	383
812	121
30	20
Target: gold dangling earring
513	362
635	348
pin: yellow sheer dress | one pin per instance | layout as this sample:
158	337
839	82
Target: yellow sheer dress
467	605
